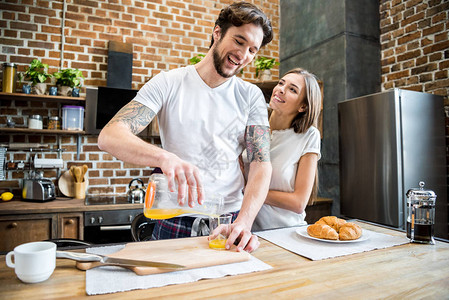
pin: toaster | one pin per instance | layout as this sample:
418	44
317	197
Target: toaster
38	190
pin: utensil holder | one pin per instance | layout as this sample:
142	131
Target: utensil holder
80	190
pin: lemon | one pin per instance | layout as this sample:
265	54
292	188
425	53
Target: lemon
6	196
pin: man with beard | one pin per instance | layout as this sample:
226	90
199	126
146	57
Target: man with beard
206	116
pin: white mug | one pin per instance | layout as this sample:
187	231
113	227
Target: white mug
33	262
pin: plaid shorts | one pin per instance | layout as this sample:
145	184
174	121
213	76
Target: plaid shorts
177	227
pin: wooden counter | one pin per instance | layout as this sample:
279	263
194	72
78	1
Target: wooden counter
407	271
59	205
22	221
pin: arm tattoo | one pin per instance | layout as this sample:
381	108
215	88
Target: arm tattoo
258	143
134	114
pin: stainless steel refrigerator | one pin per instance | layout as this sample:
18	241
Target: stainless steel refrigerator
389	142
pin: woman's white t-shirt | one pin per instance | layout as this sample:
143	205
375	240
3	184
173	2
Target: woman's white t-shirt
206	126
287	147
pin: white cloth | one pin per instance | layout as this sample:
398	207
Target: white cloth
206	126
105	280
289	239
287	147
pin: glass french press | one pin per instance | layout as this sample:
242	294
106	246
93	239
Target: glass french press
421	215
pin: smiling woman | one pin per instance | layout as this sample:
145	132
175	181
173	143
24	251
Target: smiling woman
295	150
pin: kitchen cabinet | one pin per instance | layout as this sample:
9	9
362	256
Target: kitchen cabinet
320	207
22	221
15	230
19	229
70	226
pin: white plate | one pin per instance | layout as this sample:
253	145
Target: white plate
302	231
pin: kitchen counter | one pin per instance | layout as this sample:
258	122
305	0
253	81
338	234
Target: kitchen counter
406	271
59	205
62	218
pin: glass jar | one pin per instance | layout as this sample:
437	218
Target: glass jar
9	78
54	123
35	122
161	203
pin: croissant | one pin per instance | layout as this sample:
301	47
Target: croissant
350	231
332	221
322	231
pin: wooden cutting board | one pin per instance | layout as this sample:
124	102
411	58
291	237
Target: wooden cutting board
190	252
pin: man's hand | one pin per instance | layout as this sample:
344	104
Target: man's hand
185	175
242	234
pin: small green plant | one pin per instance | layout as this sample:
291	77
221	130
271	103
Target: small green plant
69	77
36	72
264	63
196	59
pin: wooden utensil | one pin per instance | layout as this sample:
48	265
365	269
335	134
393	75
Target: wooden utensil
72	172
84	171
189	252
78	174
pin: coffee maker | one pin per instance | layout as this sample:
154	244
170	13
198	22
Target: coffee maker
421	215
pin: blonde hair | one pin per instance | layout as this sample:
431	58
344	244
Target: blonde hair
303	120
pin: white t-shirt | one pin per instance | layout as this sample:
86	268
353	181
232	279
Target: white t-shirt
206	126
287	147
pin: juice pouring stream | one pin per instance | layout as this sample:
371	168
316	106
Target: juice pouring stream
160	203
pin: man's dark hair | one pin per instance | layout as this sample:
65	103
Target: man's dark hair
242	13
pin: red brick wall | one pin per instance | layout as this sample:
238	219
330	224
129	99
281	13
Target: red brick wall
415	47
164	34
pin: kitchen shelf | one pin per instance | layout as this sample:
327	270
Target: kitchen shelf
46	98
49	99
41	131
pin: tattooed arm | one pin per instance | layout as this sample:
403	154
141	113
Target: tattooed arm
258	151
119	138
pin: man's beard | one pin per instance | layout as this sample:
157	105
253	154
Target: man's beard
218	64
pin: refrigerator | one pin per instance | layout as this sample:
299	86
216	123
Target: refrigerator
388	143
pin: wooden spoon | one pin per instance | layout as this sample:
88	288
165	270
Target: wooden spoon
84	171
78	175
72	172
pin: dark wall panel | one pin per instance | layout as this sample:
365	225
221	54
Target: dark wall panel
338	40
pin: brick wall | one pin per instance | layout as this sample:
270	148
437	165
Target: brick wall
164	34
415	47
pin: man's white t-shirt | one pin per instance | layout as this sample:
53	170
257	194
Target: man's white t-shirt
206	126
287	147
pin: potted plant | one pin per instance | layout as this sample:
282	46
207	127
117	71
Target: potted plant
37	74
263	66
68	81
196	59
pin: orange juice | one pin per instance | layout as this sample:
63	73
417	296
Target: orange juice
167	213
218	243
162	213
